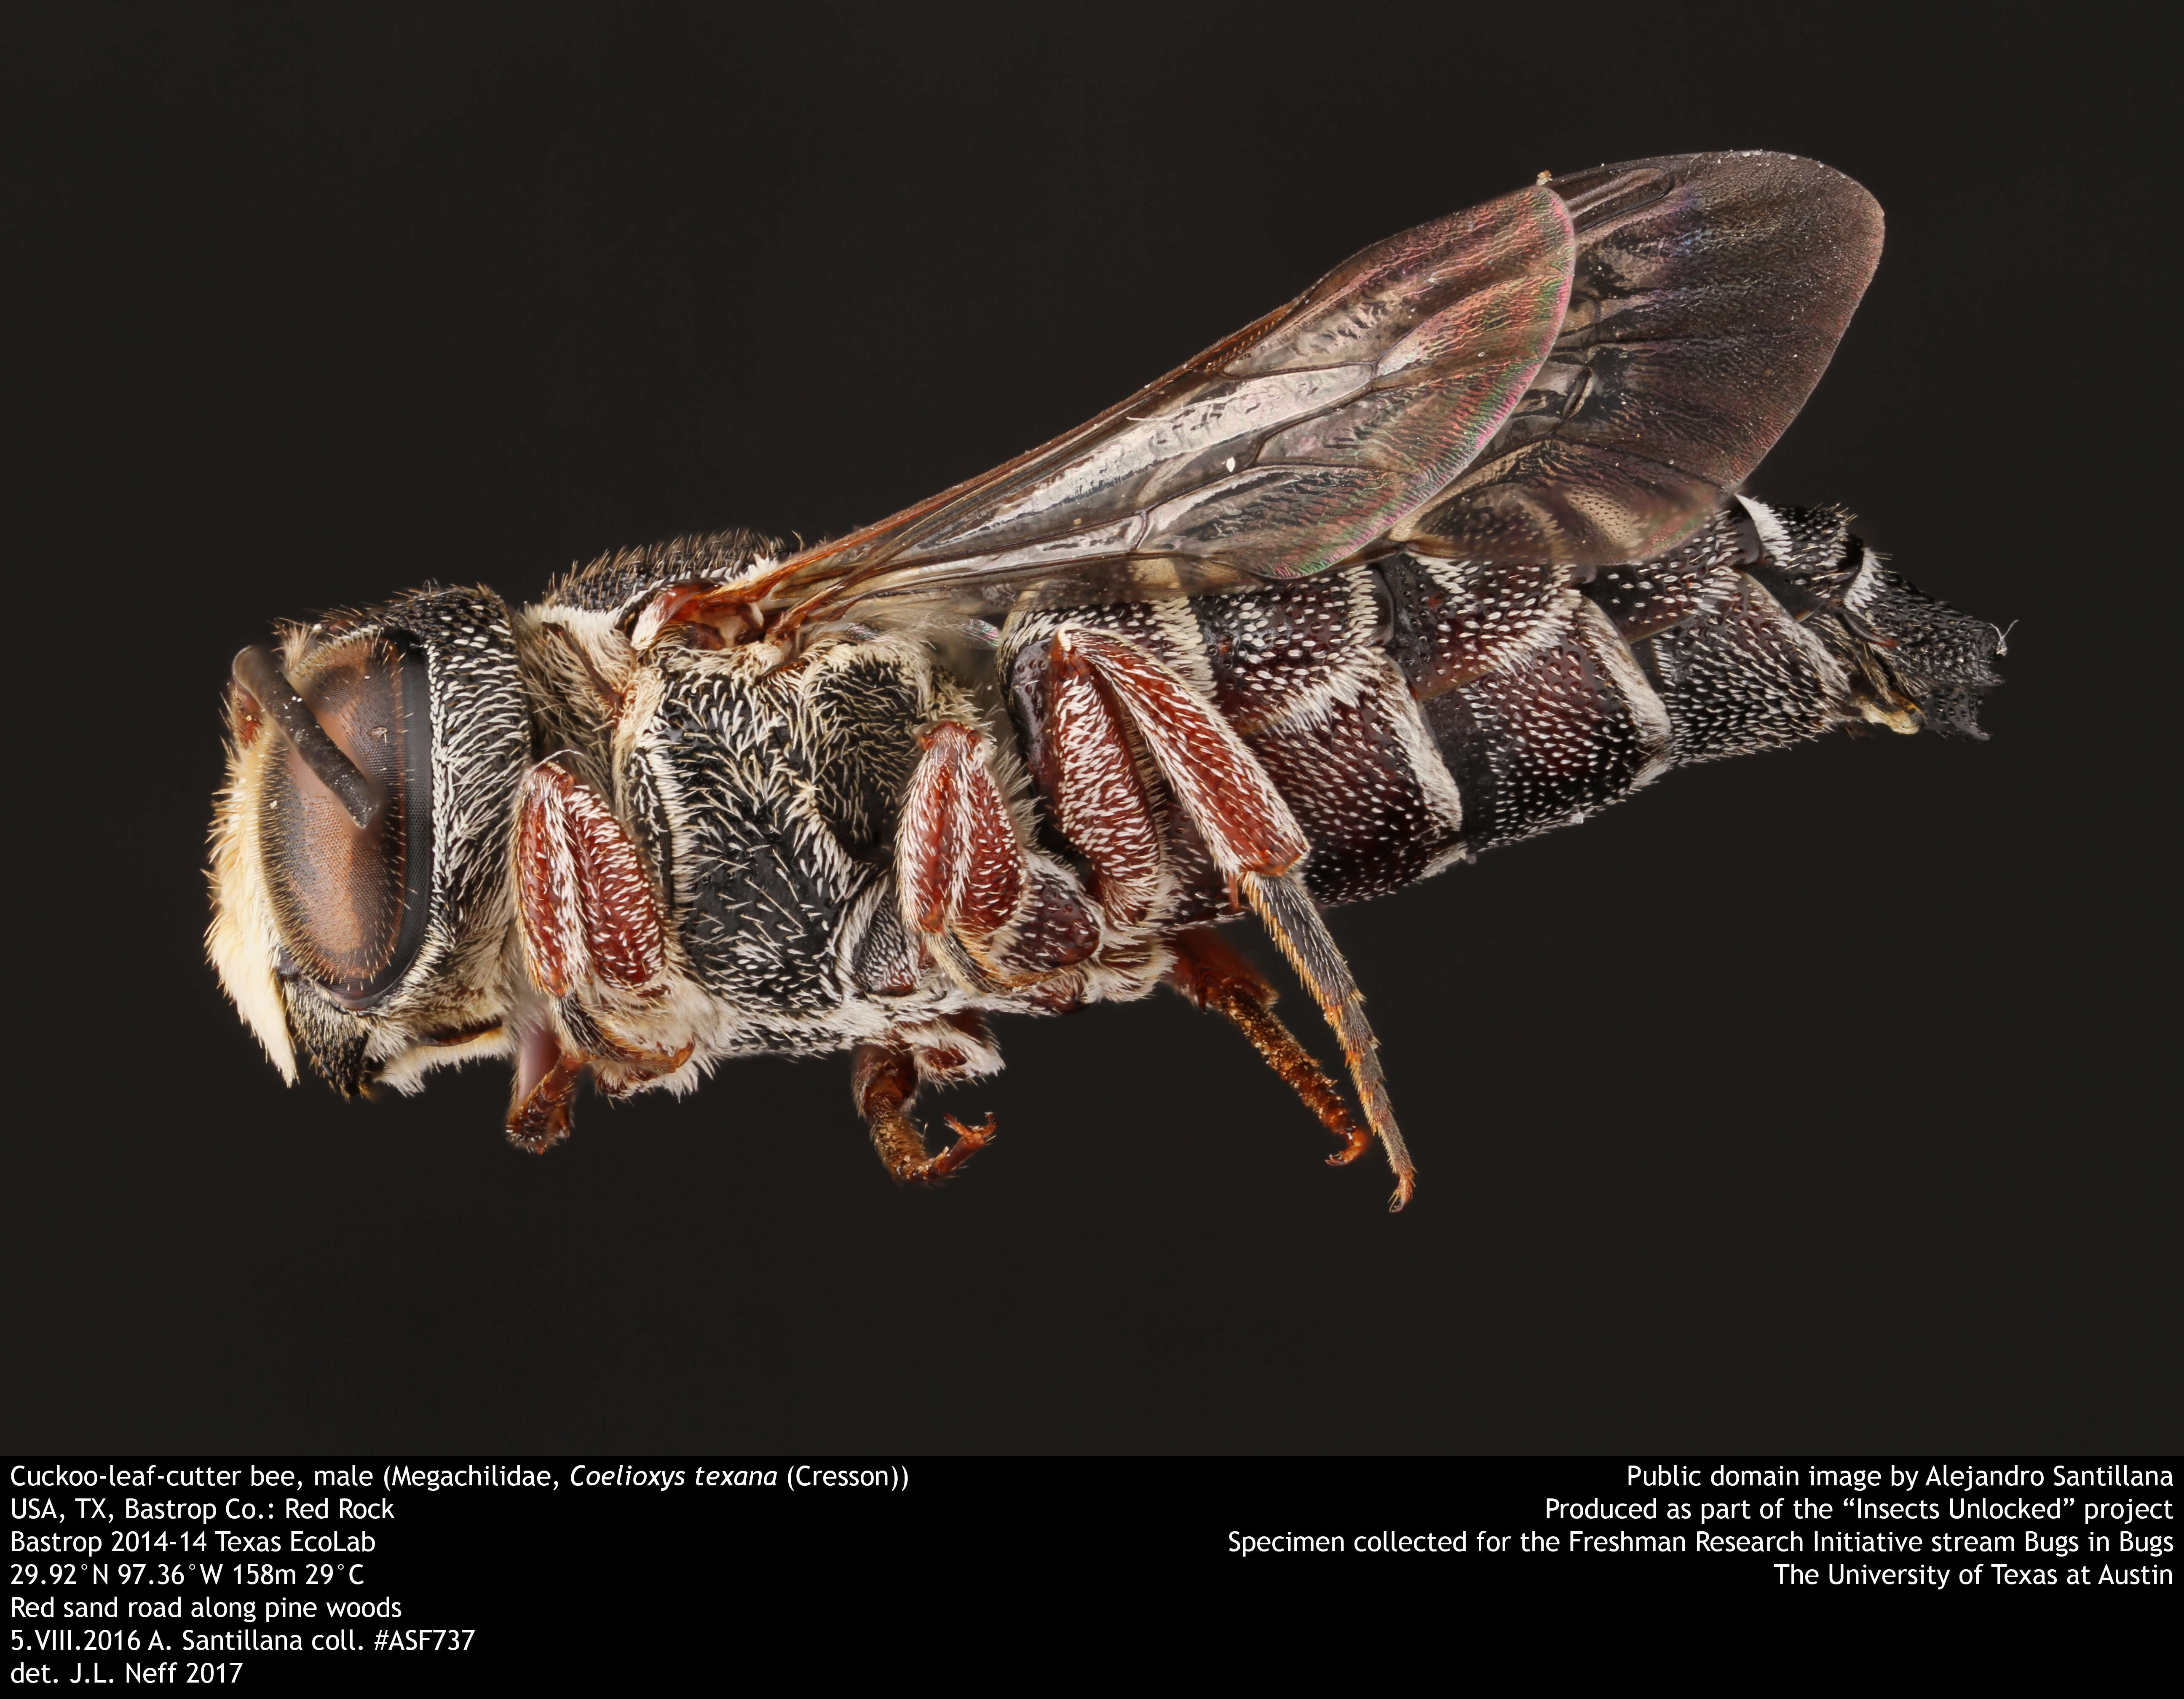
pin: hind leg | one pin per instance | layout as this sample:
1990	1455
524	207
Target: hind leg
1208	973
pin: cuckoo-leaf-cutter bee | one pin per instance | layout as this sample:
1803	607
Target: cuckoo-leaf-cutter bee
1445	553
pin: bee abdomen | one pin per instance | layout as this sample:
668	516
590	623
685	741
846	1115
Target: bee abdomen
1417	710
1561	722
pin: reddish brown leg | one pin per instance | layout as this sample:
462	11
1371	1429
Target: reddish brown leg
884	1080
1293	921
1100	801
1218	782
547	1077
1211	974
1255	842
623	1068
589	919
546	1080
591	933
982	905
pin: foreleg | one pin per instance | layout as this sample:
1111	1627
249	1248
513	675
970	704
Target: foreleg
594	941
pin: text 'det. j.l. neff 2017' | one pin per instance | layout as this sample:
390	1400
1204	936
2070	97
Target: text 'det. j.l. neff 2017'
1445	553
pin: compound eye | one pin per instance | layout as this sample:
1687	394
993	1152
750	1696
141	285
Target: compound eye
351	900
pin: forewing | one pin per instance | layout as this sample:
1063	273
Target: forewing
1291	446
1710	291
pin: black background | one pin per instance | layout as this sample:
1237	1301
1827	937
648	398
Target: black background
1809	1102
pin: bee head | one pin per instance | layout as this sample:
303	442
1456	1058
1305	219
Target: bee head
362	889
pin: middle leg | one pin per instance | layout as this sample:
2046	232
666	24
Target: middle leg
994	915
884	1078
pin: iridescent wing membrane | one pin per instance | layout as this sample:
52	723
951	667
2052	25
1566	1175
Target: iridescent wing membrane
1574	373
1710	293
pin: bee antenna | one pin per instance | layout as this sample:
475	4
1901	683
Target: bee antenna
257	671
